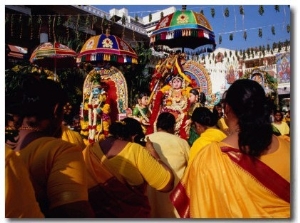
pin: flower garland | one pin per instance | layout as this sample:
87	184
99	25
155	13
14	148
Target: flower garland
92	118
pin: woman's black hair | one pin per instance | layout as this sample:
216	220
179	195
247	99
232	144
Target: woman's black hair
202	98
194	91
215	110
204	116
201	95
248	101
127	128
166	121
37	97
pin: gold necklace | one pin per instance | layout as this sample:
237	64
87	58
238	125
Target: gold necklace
35	129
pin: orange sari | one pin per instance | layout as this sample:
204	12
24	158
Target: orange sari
224	183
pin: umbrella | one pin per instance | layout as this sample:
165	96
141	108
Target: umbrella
106	47
53	55
183	28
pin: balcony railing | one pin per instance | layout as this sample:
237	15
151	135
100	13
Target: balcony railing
102	14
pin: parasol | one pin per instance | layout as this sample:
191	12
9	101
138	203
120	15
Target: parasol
106	47
183	28
53	55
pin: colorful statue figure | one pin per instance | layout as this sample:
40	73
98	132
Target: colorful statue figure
141	111
96	110
172	98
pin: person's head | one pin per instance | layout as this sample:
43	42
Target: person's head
128	129
96	89
247	110
142	99
41	104
217	109
193	95
202	98
278	116
203	119
176	82
166	121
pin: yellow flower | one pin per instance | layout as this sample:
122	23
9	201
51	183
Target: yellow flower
105	126
85	107
106	109
84	124
169	102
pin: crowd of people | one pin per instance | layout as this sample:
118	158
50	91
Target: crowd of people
178	159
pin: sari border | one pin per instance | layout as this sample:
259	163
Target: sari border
259	170
180	200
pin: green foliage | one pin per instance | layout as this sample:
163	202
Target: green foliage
137	76
71	80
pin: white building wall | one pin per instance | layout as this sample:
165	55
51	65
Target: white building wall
218	70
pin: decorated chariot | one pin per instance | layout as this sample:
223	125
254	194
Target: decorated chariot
105	96
175	76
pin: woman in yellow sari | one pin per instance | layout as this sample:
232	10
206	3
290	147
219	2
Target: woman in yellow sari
120	162
205	125
56	167
72	136
20	201
247	175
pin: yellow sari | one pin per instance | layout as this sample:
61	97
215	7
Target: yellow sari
208	136
109	194
72	137
20	201
224	183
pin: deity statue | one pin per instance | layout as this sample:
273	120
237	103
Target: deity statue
141	111
96	118
172	98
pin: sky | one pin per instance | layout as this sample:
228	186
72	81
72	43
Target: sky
251	22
